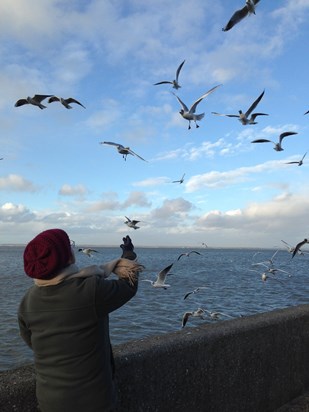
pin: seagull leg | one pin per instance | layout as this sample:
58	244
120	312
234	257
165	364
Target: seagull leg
189	127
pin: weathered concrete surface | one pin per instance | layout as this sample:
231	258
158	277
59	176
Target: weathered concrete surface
254	364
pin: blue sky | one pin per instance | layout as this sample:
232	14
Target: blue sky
108	54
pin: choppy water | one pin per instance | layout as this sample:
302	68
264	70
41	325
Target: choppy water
232	289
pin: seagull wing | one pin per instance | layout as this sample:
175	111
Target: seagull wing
21	102
53	99
118	145
283	135
304	156
178	70
40	97
194	105
185	318
135	154
236	18
262	141
254	115
227	115
185	108
162	274
254	104
306	112
194	251
187	294
71	100
298	246
163	82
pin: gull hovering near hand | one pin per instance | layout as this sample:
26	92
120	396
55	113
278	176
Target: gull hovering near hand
278	146
161	277
196	290
125	151
299	162
298	246
132	223
179	181
175	83
199	313
88	251
65	102
35	100
244	117
188	254
190	114
248	9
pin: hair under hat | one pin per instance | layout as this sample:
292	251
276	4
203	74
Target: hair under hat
46	254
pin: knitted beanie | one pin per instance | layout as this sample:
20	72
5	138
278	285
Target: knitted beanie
46	254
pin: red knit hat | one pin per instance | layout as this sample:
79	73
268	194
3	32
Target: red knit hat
46	254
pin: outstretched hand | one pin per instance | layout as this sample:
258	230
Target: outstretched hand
128	248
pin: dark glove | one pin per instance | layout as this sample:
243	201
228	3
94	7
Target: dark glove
128	248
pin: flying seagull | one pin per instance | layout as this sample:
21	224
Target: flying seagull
190	114
132	223
199	313
244	117
175	83
291	248
196	290
299	162
88	251
179	181
217	315
125	151
298	246
248	9
278	146
161	277
65	102
35	100
188	254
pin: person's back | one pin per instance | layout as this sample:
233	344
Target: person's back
67	326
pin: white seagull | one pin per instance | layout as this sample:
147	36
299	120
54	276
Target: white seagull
217	315
132	223
244	117
179	181
175	83
35	100
188	254
196	290
190	114
88	251
125	151
291	248
161	277
199	313
65	102
298	162
278	146
248	9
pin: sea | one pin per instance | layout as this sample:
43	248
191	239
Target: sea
230	281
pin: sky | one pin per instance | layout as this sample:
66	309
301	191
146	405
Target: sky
54	171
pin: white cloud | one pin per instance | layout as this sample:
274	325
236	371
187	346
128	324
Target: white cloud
16	183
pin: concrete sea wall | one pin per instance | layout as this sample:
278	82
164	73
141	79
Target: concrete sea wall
252	364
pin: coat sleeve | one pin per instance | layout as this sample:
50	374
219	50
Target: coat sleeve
112	294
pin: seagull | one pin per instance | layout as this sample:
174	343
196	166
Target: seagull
248	9
278	146
199	313
244	117
291	248
175	83
188	254
65	102
88	251
299	245
194	291
132	223
179	181
125	151
216	315
299	162
264	276
190	114
161	277
204	244
35	100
